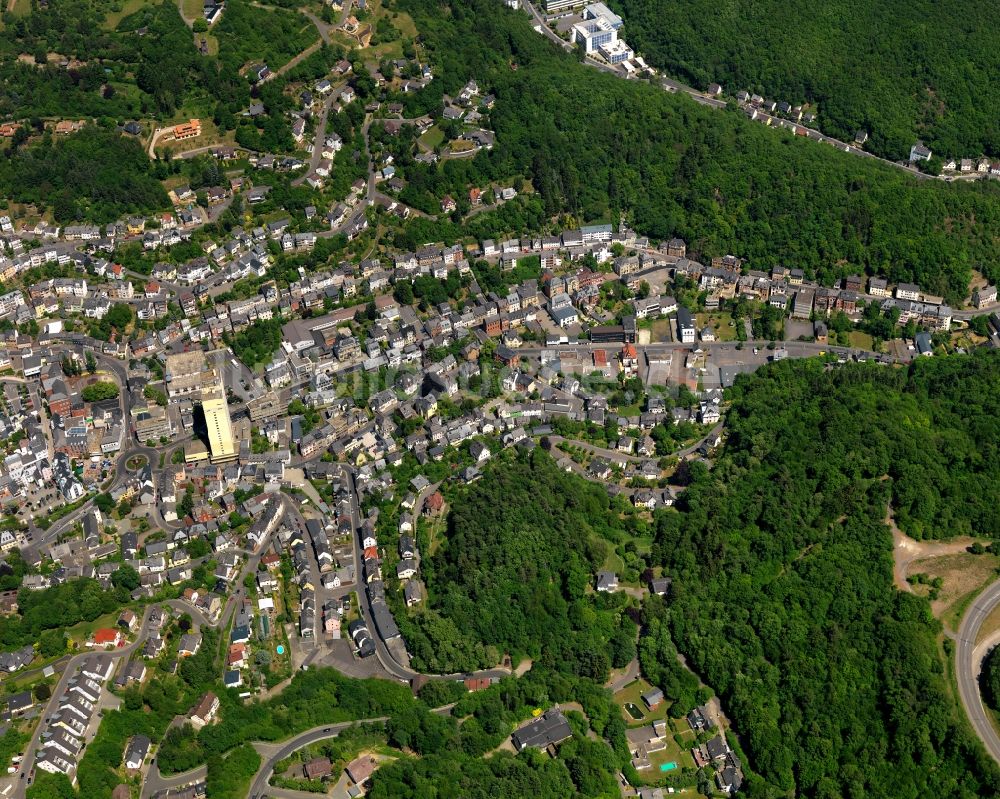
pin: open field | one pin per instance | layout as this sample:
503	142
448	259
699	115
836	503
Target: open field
960	574
192	9
860	340
127	8
660	330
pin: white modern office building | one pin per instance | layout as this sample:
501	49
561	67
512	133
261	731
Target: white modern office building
598	33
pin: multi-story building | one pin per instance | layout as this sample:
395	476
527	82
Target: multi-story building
200	376
221	441
151	424
685	326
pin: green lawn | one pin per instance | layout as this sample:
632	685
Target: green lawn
720	322
127	8
673	753
860	340
432	137
613	563
192	9
82	631
633	693
21	8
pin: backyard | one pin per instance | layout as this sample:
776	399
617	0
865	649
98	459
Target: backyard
631	697
721	324
431	138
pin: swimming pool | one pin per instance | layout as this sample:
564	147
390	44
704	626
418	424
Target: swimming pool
280	649
668	766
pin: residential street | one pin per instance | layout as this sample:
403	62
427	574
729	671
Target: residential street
28	761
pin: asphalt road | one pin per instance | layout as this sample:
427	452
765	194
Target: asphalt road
967	663
259	785
795	349
28	762
382	652
319	137
154	782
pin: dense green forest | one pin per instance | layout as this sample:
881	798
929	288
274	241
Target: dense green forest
462	762
264	35
522	549
900	70
595	145
989	679
95	174
106	63
782	567
117	74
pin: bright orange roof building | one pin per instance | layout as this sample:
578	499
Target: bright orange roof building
187	130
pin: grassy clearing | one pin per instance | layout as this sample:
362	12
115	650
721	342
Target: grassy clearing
432	137
19	8
613	563
990	626
210	42
81	632
192	9
963	575
660	330
860	340
402	22
116	15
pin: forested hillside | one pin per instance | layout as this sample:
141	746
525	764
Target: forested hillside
595	145
522	549
782	567
96	174
898	69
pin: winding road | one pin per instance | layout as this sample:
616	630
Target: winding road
263	777
702	98
388	661
28	761
969	658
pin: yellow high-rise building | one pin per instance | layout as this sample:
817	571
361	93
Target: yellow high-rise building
221	442
199	375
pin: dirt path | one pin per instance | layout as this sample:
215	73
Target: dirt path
180	9
906	550
299	58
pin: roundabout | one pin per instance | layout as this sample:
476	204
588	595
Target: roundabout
136	462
